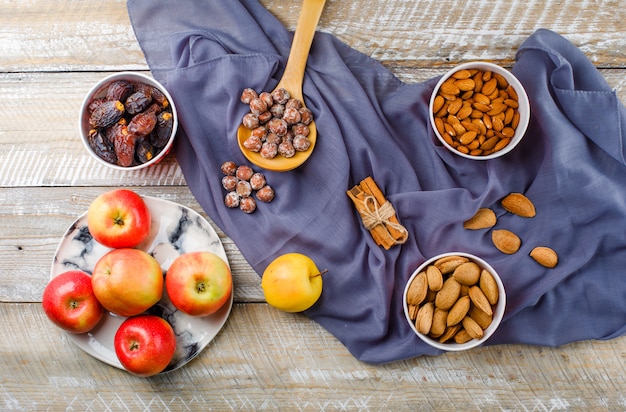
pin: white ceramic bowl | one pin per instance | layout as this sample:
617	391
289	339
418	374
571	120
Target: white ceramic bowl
99	90
498	308
524	108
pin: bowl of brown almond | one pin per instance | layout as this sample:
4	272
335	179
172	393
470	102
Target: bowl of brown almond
454	301
479	110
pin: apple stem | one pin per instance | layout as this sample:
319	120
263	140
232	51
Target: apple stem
321	273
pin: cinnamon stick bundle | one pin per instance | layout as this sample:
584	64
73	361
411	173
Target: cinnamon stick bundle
377	214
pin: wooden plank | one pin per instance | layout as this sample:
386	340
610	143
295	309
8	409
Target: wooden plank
433	33
40	143
266	359
75	36
39	138
52	52
67	36
33	221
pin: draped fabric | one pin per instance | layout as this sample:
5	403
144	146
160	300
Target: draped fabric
570	164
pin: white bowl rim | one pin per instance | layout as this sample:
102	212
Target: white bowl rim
497	315
522	100
97	88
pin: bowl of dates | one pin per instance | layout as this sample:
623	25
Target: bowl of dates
128	121
479	110
454	301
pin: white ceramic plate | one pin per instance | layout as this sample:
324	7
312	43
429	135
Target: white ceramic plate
176	229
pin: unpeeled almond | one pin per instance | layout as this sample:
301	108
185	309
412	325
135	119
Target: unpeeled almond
441	314
489	286
434	278
519	204
438	326
467	274
480	317
478	298
506	241
483	219
472	328
417	290
448	295
425	318
545	256
449	263
458	311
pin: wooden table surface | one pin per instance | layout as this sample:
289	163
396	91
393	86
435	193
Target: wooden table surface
52	52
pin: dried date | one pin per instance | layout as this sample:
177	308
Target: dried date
137	102
112	131
144	151
163	129
142	124
159	97
106	114
119	90
125	149
102	146
95	103
131	123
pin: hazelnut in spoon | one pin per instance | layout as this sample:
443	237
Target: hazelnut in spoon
291	81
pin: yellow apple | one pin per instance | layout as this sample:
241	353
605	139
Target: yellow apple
292	282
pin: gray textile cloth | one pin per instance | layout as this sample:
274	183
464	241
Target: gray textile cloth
570	163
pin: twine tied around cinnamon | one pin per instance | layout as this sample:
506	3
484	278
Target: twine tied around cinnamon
374	215
377	214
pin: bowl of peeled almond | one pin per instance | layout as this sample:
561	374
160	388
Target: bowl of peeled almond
454	301
479	110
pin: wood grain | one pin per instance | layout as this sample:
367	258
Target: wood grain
33	220
305	368
263	359
75	36
50	151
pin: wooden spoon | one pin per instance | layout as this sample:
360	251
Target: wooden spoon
291	81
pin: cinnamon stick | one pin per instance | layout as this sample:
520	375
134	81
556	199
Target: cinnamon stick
377	214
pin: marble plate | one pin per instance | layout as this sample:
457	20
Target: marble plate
176	229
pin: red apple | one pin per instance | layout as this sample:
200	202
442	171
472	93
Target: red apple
145	344
127	281
198	283
119	218
69	302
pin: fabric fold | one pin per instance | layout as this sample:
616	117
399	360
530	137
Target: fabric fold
570	164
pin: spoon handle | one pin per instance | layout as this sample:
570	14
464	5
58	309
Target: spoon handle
301	45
